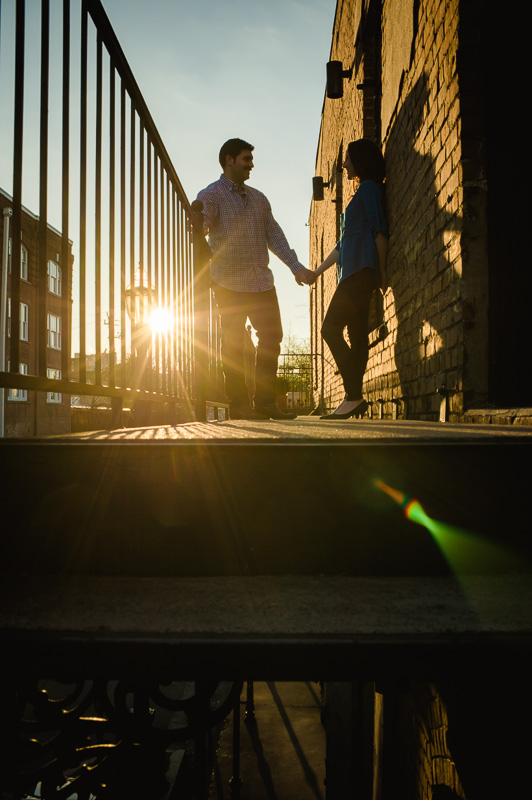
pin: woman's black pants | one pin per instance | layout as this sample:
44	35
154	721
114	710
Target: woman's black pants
349	308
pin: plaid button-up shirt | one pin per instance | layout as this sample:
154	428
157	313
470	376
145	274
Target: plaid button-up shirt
241	229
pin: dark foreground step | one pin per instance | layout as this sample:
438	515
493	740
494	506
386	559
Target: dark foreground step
248	507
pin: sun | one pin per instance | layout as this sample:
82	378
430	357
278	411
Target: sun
160	321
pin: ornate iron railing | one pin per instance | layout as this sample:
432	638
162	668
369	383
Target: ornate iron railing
114	738
117	271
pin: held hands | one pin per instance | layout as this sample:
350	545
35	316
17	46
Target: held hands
310	276
305	276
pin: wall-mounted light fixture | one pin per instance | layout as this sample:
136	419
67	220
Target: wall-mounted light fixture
318	185
335	79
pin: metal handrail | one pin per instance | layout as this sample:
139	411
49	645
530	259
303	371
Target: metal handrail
130	218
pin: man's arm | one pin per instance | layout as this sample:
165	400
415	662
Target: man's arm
209	209
279	246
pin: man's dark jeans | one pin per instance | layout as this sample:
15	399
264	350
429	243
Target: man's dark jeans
262	308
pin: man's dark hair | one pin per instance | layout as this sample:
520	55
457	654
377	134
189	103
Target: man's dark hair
233	148
367	160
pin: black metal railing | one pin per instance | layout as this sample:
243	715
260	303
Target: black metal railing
294	380
106	207
114	738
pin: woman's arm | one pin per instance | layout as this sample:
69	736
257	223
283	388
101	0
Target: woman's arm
381	243
331	259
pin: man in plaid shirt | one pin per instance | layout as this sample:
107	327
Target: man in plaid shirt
241	229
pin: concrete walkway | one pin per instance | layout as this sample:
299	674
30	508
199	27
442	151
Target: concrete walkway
282	755
313	429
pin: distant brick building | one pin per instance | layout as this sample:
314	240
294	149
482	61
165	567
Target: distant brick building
30	413
428	83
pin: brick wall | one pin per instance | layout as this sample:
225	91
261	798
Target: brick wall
425	765
35	415
436	307
455	738
422	145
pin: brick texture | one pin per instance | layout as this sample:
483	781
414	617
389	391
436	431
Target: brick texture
435	267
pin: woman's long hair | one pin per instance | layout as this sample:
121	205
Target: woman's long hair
367	160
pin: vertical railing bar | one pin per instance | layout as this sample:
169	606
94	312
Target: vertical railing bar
132	187
140	364
201	294
43	189
141	231
175	306
177	289
117	403
181	287
160	279
149	212
171	306
112	200
167	304
183	297
213	333
156	248
162	282
167	332
190	314
177	283
188	306
18	130
184	293
123	233
66	266
179	261
98	216
172	296
141	194
132	266
162	263
83	196
175	294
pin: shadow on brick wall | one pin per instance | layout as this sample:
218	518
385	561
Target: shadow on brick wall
424	284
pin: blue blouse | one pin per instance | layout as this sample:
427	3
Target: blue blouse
362	220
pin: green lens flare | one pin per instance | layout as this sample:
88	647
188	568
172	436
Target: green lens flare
465	552
414	511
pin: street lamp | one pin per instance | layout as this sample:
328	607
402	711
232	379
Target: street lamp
139	303
336	74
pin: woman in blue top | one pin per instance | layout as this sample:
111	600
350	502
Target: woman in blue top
360	256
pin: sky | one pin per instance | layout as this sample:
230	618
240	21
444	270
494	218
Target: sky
209	71
217	69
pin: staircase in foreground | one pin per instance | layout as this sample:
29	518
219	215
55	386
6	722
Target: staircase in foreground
366	551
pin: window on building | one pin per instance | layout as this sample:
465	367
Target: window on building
54	331
55	375
54	278
24	320
18	395
23	262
